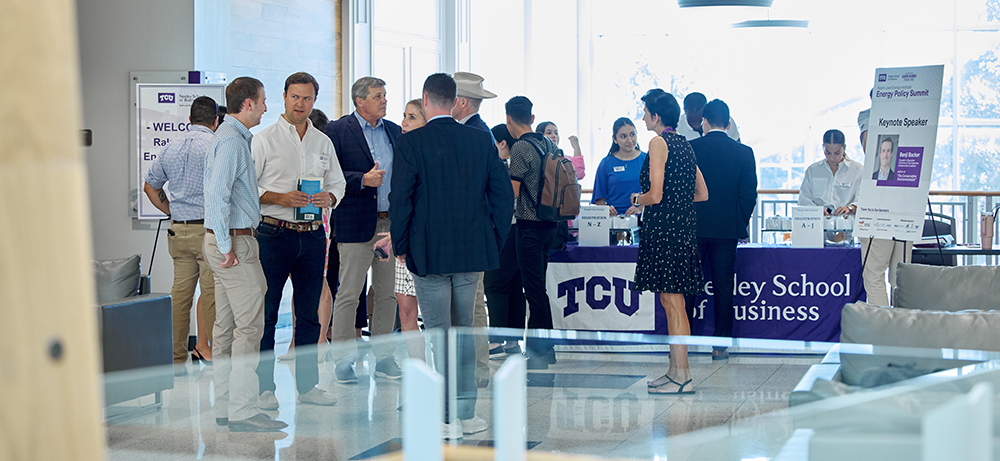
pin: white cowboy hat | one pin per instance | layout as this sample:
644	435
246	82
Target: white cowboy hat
470	85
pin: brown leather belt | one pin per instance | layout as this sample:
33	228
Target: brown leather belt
244	231
383	214
307	226
193	221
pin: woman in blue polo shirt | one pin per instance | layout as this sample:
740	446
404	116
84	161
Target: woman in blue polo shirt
617	176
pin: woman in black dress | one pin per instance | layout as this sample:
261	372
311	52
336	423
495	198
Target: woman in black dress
668	261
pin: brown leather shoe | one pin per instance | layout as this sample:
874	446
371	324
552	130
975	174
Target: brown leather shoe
257	423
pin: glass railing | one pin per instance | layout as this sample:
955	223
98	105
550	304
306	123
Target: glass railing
768	400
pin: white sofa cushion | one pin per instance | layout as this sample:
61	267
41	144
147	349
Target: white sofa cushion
939	288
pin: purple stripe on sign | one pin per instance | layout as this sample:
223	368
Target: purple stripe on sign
608	254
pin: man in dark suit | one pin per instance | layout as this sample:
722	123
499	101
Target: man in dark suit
451	208
364	143
730	173
469	96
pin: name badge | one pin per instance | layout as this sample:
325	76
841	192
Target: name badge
324	162
619	169
844	184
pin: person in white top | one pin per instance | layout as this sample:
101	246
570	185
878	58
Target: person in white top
689	124
832	183
293	241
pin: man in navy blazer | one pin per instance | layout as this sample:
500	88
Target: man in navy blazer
730	173
364	143
451	209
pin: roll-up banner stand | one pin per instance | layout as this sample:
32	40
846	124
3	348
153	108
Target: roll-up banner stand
902	133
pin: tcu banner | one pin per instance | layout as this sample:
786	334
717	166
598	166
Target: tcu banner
779	293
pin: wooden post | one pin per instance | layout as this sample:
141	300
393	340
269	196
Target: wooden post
49	383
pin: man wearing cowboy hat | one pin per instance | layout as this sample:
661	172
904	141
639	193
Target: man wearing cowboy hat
469	95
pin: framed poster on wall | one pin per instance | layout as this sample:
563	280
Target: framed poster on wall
160	114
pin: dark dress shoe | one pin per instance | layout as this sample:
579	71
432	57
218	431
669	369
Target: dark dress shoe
482	382
550	357
720	353
257	423
222	421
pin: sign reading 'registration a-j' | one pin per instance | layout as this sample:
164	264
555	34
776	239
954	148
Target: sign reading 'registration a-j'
899	155
163	112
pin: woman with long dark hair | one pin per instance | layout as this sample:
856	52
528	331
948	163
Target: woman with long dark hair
668	261
617	176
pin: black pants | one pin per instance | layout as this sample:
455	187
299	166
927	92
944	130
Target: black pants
504	292
721	257
533	238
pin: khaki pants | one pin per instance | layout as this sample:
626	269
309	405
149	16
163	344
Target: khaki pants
239	325
355	260
481	341
190	268
884	254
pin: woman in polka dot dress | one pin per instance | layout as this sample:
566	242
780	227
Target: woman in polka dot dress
668	261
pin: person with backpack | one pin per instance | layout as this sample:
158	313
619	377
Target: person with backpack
546	192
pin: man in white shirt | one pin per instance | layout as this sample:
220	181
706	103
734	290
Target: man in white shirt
291	235
689	124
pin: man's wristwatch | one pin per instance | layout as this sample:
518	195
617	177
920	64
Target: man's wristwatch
635	200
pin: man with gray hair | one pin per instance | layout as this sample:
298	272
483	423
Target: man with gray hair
364	143
469	96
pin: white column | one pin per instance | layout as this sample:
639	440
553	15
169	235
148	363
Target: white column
510	410
357	45
423	412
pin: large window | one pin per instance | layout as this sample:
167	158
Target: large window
586	63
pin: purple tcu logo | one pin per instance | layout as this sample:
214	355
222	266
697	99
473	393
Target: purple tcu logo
166	98
882	77
624	296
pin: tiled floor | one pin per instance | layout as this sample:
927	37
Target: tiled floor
587	403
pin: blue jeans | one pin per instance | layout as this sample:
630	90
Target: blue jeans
446	301
301	255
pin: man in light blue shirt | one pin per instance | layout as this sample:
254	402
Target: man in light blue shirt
364	144
381	149
182	164
232	212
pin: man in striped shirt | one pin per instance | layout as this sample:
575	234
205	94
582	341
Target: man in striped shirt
232	212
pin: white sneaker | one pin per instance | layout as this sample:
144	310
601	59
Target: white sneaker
473	425
317	396
267	401
290	355
453	431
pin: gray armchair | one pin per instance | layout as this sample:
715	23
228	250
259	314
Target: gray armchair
136	335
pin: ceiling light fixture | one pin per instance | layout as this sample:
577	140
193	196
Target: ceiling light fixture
700	3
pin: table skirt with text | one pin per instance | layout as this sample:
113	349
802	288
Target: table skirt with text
780	292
